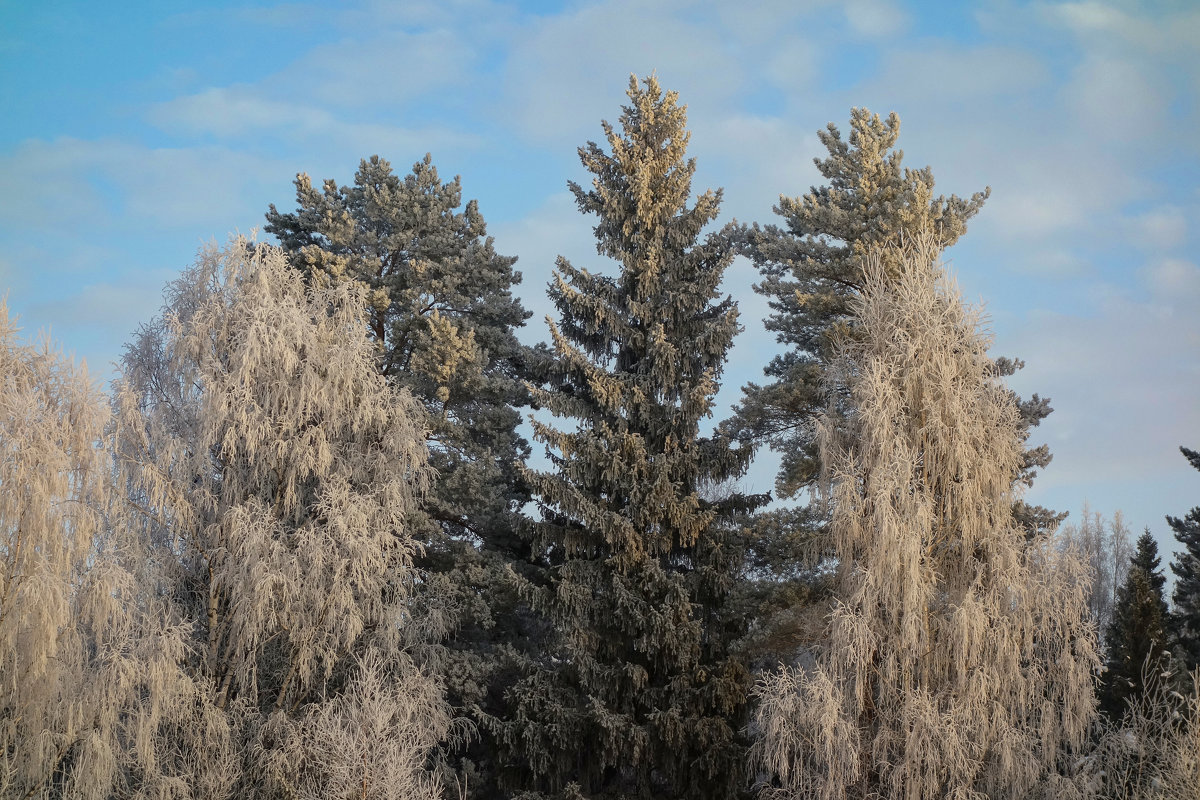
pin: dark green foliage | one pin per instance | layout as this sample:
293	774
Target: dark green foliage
444	316
1185	616
640	697
785	588
1137	636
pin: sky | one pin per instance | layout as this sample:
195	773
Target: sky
136	131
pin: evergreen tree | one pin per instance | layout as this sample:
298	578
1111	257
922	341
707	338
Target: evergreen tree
1137	635
443	315
953	663
1185	616
813	271
640	696
442	312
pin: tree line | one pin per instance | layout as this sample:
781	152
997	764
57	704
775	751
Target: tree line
298	549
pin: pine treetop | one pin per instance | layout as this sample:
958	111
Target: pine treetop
812	270
440	296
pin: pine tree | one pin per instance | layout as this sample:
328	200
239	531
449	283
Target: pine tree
443	316
956	661
442	313
640	696
1137	636
277	477
1185	613
813	271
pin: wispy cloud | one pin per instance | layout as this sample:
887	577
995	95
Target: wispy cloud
875	19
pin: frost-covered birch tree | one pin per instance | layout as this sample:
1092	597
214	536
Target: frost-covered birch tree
278	476
958	659
443	316
812	271
90	680
1107	547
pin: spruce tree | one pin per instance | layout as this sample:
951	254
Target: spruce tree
1137	636
443	316
812	272
640	696
1185	614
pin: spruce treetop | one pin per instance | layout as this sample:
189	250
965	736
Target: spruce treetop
663	297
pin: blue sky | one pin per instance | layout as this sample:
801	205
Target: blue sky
136	131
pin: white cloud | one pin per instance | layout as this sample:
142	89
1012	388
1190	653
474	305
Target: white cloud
374	14
382	70
1162	228
1117	98
938	73
794	65
235	111
1175	281
1036	206
244	112
567	71
875	19
760	157
1089	16
89	320
1123	376
81	184
1054	263
1166	33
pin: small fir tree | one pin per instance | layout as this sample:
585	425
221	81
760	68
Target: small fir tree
1185	613
1137	636
640	696
958	656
